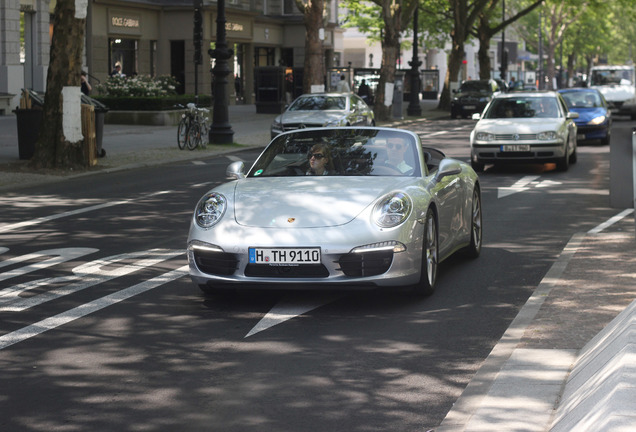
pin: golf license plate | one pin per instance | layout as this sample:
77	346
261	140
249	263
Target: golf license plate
284	256
516	148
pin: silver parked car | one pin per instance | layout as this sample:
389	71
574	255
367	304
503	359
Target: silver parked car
524	127
323	109
339	208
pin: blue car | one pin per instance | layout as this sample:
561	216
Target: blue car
595	118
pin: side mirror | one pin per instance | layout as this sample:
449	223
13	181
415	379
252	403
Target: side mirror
476	116
573	115
448	167
236	170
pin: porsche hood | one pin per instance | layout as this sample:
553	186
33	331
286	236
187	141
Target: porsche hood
306	202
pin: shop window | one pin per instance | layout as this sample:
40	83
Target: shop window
265	56
287	56
123	52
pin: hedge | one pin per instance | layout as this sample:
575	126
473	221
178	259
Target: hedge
163	103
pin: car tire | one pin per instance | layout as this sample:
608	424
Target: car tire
564	163
476	234
428	273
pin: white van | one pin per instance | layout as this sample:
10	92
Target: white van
616	83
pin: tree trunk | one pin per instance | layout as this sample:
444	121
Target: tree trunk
60	143
452	73
392	16
313	73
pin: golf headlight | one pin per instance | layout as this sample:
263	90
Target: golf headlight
484	136
392	210
210	209
547	136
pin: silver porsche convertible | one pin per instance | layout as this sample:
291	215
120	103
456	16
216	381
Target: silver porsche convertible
339	208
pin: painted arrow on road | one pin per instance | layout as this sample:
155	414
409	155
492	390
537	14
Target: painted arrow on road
292	306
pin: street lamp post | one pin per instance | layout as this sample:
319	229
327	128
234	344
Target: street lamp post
414	108
504	57
221	131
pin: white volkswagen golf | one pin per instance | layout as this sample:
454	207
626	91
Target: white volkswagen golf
526	127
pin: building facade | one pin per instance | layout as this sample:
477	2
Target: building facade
156	37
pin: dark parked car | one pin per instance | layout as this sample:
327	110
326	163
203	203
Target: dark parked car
595	117
472	97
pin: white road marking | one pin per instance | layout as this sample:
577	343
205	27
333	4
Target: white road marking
59	256
433	134
519	186
15	226
84	276
88	308
290	307
611	221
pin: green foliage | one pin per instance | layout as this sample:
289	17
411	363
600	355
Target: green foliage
138	86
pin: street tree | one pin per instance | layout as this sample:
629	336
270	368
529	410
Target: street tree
490	23
313	16
395	16
463	15
60	142
558	16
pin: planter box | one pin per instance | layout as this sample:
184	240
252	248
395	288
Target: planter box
150	118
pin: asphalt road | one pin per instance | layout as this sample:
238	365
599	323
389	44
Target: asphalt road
101	329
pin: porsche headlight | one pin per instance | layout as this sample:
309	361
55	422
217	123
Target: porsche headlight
210	209
547	136
277	124
392	210
597	120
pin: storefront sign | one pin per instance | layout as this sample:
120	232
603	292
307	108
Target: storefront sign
123	22
236	28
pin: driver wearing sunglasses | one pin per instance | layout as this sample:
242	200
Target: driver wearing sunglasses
320	162
396	149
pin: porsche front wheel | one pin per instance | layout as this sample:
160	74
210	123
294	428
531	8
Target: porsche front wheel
474	248
428	274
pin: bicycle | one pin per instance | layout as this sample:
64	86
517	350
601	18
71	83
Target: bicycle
193	127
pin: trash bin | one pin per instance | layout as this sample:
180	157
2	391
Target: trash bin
100	114
28	129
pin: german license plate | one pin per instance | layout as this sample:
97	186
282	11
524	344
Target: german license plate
516	148
470	107
284	255
580	136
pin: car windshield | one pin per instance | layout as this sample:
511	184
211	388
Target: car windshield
475	86
523	107
319	103
342	152
582	99
611	76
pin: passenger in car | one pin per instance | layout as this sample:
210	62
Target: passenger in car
320	161
396	150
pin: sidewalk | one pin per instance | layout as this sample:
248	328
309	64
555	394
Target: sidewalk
560	361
